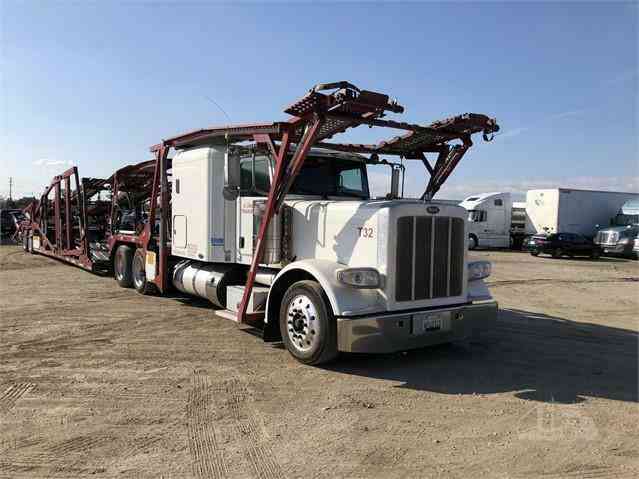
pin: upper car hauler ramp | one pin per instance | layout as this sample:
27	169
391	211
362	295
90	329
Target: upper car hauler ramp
326	110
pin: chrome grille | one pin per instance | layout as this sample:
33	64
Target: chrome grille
429	260
605	237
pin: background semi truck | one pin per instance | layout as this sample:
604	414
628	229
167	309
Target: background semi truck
619	237
496	221
276	225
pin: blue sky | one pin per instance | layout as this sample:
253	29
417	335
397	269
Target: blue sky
95	84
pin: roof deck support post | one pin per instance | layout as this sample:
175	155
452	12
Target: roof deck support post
164	209
82	205
283	178
446	162
280	161
56	215
67	212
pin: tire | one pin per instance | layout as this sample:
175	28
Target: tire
472	242
557	253
25	243
595	254
122	266
307	325
138	272
534	253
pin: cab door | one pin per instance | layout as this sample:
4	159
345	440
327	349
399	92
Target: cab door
179	231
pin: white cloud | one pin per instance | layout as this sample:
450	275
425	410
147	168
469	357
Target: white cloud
48	162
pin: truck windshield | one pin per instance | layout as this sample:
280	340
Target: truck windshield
319	176
331	177
476	216
626	220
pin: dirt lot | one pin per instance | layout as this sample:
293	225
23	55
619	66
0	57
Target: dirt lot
98	381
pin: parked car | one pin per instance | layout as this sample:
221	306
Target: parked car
560	244
9	221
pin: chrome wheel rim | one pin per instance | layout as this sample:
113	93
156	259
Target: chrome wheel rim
119	263
302	323
139	275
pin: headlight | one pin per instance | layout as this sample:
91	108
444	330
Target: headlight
359	277
479	270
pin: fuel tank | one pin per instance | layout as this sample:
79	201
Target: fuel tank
207	280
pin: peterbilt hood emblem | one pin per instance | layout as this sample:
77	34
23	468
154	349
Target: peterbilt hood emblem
433	210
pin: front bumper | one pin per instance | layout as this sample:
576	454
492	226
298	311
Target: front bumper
397	331
620	248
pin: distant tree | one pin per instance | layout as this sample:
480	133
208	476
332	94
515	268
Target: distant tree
6	203
24	201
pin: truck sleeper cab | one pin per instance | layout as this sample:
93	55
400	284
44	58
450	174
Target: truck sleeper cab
341	271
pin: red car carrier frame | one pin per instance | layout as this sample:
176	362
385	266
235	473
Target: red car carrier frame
326	110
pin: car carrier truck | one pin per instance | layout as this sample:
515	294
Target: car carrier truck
275	225
496	221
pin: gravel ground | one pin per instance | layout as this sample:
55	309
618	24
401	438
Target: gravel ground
98	381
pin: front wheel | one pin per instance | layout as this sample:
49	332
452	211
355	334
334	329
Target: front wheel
534	253
595	254
308	328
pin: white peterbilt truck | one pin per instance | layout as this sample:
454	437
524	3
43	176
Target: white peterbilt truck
277	226
341	271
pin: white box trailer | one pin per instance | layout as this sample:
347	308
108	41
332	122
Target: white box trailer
495	221
555	210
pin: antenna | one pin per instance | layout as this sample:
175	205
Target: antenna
219	107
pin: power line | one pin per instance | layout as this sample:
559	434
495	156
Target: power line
220	108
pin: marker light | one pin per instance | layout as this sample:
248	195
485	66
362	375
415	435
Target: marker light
479	270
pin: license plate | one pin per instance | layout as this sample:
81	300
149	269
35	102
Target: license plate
431	322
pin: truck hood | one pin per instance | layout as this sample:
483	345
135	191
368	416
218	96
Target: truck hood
354	233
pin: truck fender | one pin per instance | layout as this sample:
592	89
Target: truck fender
343	300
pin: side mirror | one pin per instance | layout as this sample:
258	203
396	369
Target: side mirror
394	193
231	175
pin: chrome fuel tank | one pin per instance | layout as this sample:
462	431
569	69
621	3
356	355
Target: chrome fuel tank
206	280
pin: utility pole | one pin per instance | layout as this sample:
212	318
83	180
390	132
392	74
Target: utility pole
10	187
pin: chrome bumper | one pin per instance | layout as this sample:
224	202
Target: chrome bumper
397	331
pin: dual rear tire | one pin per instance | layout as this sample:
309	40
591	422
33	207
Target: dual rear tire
129	269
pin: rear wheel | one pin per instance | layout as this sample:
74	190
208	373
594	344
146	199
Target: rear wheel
122	266
138	270
308	328
558	253
472	242
534	253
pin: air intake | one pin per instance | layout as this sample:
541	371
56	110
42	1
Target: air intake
429	258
